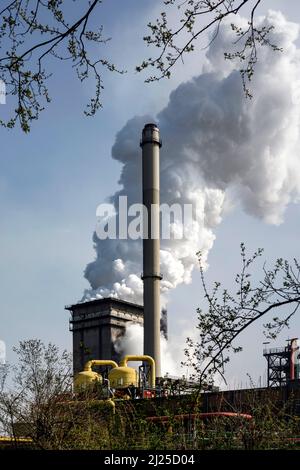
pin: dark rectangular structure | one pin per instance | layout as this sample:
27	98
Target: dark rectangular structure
96	325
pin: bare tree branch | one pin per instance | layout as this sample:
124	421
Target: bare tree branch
175	43
42	28
229	315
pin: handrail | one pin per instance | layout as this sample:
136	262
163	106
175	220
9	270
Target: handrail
275	351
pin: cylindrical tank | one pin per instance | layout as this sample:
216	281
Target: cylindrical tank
123	377
144	358
86	379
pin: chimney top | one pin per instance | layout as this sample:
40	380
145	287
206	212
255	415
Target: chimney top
150	135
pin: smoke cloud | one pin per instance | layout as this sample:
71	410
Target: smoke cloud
172	356
164	323
217	145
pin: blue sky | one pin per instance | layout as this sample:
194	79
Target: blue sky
52	180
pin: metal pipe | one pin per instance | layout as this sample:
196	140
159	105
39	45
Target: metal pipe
99	362
110	402
144	358
151	144
293	348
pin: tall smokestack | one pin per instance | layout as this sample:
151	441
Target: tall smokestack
151	144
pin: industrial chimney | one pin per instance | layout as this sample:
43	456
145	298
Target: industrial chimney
151	144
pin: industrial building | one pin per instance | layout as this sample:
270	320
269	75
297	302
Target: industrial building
97	325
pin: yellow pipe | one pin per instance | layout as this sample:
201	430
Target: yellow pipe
99	362
148	359
113	405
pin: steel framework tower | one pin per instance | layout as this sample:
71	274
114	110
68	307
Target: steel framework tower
282	364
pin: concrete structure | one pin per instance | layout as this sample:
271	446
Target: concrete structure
96	325
151	144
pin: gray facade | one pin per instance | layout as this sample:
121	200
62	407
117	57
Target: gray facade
96	325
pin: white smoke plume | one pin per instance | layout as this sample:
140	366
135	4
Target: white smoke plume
215	143
171	355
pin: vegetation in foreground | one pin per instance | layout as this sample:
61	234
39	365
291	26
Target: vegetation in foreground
40	405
